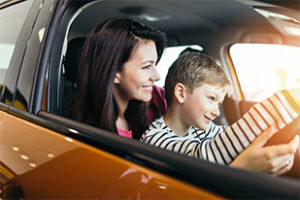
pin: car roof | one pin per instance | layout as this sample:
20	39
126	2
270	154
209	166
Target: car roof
177	18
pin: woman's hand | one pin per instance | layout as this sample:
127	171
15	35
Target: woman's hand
276	159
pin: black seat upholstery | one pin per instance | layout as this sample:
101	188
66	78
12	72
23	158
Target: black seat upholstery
71	63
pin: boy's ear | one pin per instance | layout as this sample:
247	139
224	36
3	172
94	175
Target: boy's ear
180	92
117	78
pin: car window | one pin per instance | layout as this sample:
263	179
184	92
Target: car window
168	57
11	21
265	68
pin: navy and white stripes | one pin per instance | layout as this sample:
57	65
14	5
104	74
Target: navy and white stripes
219	144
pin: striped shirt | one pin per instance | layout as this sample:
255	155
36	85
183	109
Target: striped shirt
221	144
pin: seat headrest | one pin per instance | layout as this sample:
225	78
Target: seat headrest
72	58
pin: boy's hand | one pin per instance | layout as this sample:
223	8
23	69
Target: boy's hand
276	160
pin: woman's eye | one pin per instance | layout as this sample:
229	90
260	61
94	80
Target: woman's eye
146	67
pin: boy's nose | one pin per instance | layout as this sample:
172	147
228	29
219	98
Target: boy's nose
216	112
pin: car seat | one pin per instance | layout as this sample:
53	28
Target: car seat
71	63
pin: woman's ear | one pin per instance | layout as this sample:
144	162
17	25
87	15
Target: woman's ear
117	78
180	92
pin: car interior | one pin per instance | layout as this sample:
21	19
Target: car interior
42	143
212	25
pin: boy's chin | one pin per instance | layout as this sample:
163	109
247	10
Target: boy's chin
202	126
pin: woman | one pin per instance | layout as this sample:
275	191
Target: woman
116	76
116	79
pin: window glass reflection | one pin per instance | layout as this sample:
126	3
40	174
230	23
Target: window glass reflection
263	69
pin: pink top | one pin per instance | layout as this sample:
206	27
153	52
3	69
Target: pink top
124	133
156	109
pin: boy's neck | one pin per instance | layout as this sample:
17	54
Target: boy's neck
174	121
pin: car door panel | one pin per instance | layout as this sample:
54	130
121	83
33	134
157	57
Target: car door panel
63	167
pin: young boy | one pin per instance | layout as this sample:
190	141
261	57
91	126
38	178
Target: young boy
195	87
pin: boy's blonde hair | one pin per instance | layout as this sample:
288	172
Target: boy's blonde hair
193	69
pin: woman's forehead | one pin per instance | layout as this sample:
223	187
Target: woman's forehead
145	50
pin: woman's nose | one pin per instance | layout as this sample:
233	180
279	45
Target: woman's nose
155	75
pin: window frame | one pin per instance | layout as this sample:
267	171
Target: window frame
12	74
202	174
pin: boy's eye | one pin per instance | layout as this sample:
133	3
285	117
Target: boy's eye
211	98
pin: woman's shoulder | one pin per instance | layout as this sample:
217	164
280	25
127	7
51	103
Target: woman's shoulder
159	91
158	104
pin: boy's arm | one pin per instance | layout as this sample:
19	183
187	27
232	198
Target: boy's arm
293	96
278	110
223	146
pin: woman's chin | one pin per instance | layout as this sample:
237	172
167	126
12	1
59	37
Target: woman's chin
147	99
144	98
